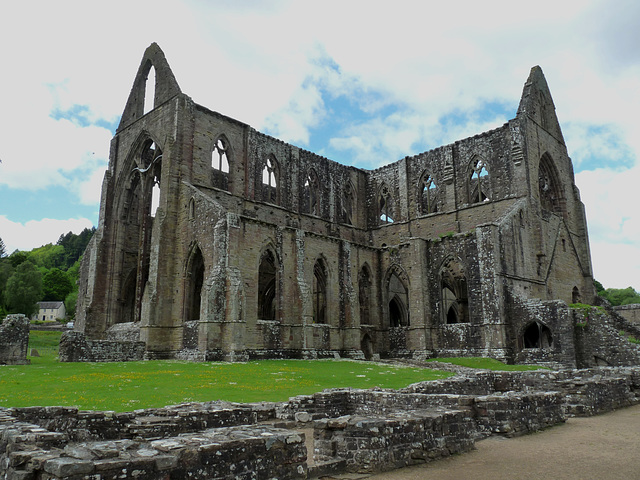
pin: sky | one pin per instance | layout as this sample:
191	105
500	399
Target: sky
364	83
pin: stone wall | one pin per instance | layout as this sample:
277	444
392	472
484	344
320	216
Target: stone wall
630	312
75	347
353	430
14	340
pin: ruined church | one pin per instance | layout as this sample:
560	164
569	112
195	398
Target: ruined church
218	242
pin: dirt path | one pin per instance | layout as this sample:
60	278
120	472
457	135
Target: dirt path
605	447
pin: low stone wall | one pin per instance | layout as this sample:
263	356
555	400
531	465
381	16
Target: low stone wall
75	347
353	430
377	444
14	340
629	312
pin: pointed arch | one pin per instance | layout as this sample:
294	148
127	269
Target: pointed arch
397	294
348	203
311	194
386	205
162	88
364	294
536	335
194	281
271	180
454	301
150	90
268	285
320	283
478	181
427	194
549	186
221	162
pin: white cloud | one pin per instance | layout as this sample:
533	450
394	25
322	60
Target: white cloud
33	234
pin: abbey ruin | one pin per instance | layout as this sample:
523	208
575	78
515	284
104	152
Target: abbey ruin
261	249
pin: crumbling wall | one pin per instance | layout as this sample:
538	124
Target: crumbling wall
75	347
14	340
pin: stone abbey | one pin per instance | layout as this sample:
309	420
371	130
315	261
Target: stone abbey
260	249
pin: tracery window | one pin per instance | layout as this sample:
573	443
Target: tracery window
220	164
548	186
478	184
428	195
454	300
270	181
385	206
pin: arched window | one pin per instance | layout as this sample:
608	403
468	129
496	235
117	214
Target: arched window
364	295
150	91
267	287
311	194
428	195
270	181
319	292
537	335
194	283
478	182
385	206
575	295
398	302
192	209
348	201
548	186
220	164
454	302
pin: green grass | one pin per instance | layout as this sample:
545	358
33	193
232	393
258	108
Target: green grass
132	385
485	363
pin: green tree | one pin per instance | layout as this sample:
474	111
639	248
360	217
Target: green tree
56	285
70	303
621	296
74	245
18	257
24	289
48	256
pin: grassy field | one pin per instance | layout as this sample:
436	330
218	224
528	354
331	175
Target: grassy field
133	385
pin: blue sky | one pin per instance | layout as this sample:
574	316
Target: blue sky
361	82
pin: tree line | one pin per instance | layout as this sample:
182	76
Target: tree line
47	273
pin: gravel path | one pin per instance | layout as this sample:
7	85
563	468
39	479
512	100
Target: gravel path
605	447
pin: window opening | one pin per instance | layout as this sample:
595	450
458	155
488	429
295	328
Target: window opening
364	296
270	181
575	296
219	157
479	183
319	293
267	287
428	195
385	204
454	300
195	281
310	192
550	194
150	91
537	335
348	198
399	299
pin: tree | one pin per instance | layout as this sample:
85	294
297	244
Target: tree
24	289
74	245
621	296
3	249
56	285
70	303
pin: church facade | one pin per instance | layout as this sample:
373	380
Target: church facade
216	241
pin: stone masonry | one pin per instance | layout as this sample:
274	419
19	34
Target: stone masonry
330	432
261	249
14	340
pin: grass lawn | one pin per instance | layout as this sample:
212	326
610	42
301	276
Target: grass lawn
485	363
128	386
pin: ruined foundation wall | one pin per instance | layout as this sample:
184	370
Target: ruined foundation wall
14	340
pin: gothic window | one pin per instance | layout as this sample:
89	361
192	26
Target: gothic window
194	283
364	295
270	181
575	295
428	202
311	194
150	91
220	164
385	206
478	182
398	302
319	292
454	300
548	186
267	287
348	200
